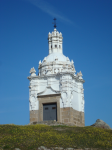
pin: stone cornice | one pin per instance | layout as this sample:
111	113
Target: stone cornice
53	75
50	95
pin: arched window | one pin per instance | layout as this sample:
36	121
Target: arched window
55	46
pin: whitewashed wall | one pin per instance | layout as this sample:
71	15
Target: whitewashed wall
71	90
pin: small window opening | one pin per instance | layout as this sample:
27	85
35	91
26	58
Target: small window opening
51	46
59	46
55	46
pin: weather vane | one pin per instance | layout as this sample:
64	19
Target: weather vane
54	22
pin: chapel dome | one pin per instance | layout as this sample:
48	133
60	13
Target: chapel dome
55	62
56	56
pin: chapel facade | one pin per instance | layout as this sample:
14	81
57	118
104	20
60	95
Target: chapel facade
56	93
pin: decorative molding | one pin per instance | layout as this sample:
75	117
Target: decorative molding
62	67
56	70
32	70
48	86
40	62
32	100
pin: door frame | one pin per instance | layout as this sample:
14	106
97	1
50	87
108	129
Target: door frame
46	99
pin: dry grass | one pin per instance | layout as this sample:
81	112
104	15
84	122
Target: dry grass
33	136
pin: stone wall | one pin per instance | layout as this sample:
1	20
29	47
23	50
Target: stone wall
69	115
33	115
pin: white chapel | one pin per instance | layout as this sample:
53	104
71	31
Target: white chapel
56	93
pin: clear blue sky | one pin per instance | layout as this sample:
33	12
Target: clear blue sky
86	26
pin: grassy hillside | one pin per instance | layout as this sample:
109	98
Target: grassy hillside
31	137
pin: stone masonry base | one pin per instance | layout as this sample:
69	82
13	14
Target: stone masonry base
76	118
64	115
69	115
33	115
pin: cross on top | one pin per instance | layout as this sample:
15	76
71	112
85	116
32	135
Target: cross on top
54	22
